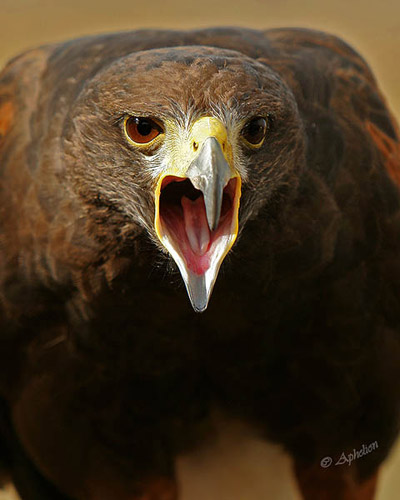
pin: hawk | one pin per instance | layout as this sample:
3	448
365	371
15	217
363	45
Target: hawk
255	173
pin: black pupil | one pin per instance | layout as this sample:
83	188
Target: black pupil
255	130
144	127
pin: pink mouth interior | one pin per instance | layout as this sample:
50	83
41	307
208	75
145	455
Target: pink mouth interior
183	218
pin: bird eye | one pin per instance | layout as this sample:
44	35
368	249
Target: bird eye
142	130
255	130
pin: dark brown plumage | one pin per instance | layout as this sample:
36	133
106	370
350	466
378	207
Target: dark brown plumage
107	373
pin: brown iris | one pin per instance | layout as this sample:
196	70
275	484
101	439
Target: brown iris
255	130
142	130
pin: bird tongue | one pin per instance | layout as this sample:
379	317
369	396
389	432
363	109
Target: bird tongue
196	225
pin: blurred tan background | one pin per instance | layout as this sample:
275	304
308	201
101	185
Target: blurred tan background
237	460
371	27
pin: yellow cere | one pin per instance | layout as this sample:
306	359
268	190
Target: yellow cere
183	146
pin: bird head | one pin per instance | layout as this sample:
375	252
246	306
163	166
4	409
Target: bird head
178	139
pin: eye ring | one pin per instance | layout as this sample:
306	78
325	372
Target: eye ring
255	131
141	130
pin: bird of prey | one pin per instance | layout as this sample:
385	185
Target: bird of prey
196	225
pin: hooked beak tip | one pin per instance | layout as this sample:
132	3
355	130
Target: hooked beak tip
213	216
210	173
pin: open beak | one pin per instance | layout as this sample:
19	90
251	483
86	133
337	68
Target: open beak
196	209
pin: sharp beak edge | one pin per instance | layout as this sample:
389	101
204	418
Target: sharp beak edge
210	173
196	215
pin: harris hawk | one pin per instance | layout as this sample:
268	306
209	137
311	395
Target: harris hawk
137	167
